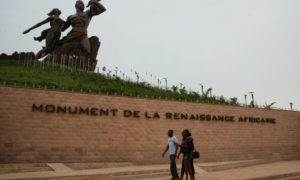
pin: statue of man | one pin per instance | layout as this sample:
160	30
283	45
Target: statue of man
52	35
80	22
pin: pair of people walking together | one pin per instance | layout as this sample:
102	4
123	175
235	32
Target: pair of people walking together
186	148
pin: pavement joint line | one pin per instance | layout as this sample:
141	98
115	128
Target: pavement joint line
199	170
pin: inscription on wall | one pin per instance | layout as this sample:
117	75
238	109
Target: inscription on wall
93	111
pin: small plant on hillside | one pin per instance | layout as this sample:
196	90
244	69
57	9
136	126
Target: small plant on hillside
269	106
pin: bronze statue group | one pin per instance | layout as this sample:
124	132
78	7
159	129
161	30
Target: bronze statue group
76	41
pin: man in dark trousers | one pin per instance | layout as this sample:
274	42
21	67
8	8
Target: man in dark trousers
172	147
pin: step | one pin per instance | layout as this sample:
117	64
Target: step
95	165
221	166
141	172
167	177
291	178
83	177
280	176
142	176
23	165
21	168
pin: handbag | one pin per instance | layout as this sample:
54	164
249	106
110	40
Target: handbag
196	154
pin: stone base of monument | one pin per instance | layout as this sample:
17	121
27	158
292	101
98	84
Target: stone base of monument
75	62
73	55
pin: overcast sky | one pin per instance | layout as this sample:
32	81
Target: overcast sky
233	46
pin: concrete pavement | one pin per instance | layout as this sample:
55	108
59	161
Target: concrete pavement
288	170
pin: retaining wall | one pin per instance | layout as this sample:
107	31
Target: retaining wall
42	126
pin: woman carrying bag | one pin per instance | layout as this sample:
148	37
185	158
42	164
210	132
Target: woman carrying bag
187	149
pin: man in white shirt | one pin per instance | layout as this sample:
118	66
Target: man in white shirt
172	147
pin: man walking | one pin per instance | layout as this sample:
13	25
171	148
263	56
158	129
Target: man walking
172	147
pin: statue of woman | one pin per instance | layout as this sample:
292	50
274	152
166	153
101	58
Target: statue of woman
80	22
52	35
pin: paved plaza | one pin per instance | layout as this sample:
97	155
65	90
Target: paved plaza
233	170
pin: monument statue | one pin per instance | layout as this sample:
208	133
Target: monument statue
80	21
52	35
76	43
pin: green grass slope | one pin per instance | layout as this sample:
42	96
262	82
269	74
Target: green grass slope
51	76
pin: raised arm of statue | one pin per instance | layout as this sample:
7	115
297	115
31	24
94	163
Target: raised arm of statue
67	24
38	25
95	8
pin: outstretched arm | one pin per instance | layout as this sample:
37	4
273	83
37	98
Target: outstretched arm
179	145
95	8
178	155
37	25
67	24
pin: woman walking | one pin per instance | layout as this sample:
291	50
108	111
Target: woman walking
187	148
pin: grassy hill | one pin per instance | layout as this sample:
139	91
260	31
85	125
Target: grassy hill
51	76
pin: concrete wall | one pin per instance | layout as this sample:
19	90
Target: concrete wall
27	136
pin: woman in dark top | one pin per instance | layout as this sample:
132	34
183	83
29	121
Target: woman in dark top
187	148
